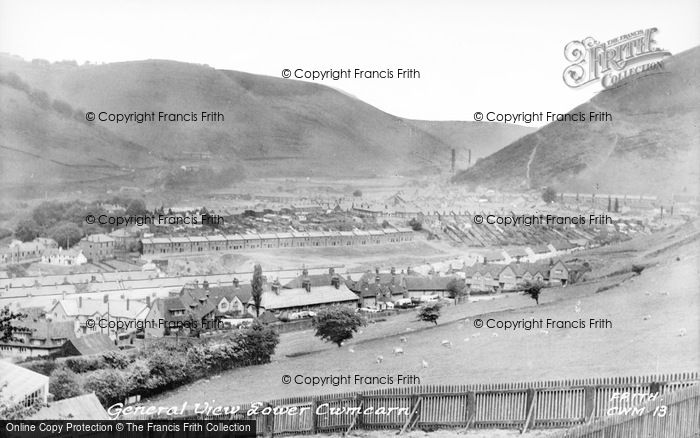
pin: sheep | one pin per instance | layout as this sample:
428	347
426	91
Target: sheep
351	350
403	339
424	364
466	339
545	332
409	329
380	358
446	343
682	332
476	335
397	351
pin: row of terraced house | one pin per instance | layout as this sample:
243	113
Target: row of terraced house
233	242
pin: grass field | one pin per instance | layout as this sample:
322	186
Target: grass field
647	313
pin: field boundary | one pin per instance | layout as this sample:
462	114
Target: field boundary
512	405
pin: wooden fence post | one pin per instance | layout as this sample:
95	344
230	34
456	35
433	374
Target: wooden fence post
589	402
529	409
269	423
314	417
471	408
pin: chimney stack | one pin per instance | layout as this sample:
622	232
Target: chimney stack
235	283
306	284
80	302
105	298
276	286
205	284
335	281
127	304
148	301
393	270
331	271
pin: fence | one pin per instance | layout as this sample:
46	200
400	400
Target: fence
521	405
674	415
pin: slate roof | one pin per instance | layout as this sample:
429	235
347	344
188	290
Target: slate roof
82	407
289	298
93	344
415	283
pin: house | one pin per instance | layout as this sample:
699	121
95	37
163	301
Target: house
106	313
180	314
83	407
18	251
559	273
97	247
37	336
20	386
227	300
60	257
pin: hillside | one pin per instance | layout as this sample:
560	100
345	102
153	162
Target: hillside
272	126
44	143
650	146
483	139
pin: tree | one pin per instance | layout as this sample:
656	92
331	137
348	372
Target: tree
337	324
63	383
430	312
415	224
136	207
637	269
357	193
616	209
27	230
549	195
66	234
7	330
257	288
456	288
533	289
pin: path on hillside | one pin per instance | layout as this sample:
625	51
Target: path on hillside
529	162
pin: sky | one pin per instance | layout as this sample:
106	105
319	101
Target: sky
504	56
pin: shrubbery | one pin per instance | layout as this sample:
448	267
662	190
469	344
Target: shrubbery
113	376
64	383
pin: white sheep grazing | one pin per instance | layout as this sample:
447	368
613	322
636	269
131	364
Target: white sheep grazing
446	343
647	317
424	364
476	335
397	351
409	329
380	359
682	332
466	339
351	350
546	332
403	339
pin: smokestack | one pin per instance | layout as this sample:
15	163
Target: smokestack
454	158
306	284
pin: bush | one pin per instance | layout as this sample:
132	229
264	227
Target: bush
116	359
83	364
109	385
45	367
64	383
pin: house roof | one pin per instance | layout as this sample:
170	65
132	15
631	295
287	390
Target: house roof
51	332
93	344
116	308
435	283
82	407
98	238
288	298
316	281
